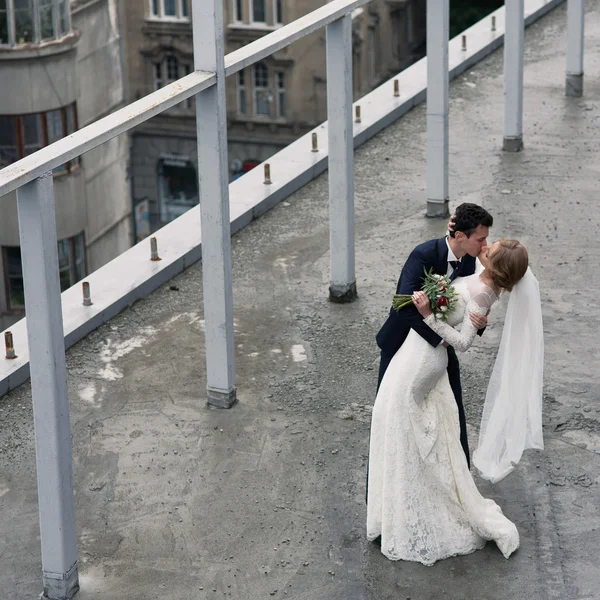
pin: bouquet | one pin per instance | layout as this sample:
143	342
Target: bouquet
441	293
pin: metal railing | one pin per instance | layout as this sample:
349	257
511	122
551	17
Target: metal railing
32	178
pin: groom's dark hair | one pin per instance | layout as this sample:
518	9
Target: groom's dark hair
469	216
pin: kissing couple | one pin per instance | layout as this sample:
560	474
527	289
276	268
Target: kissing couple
421	497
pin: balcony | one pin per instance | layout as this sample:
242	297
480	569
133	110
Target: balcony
175	500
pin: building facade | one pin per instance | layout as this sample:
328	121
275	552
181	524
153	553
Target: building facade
61	69
64	64
269	104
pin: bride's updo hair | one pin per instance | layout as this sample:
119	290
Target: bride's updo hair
508	263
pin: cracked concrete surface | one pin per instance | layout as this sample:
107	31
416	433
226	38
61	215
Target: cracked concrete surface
179	502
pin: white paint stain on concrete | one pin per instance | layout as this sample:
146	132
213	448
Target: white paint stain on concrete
113	351
87	393
298	353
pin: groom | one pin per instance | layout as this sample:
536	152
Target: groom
454	256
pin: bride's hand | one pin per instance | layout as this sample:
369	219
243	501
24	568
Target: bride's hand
451	223
421	301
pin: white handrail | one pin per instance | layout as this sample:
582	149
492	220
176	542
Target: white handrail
35	165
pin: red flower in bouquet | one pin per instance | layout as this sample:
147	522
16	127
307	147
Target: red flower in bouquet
441	293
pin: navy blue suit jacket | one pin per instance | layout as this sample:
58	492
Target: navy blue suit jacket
431	254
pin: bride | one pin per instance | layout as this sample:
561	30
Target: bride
422	499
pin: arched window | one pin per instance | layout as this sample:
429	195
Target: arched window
26	22
168	70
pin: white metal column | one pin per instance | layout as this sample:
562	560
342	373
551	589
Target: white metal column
438	28
575	19
513	75
39	256
211	130
341	160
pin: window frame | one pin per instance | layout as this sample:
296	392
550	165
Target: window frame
11	307
261	89
76	266
251	12
279	92
242	87
58	9
161	16
277	13
19	124
184	68
237	15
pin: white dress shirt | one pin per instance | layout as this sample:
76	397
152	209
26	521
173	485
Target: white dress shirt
451	256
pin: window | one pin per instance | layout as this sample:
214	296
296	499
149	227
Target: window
171	69
261	92
170	10
71	267
189	103
47	18
278	10
177	186
3	23
26	21
71	261
9	152
14	277
237	11
158	79
242	98
281	106
371	60
21	135
262	95
410	29
259	11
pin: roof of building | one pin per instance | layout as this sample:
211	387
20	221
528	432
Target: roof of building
175	500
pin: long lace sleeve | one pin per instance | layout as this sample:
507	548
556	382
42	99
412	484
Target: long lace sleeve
462	340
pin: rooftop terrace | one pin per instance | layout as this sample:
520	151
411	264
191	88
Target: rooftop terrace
178	501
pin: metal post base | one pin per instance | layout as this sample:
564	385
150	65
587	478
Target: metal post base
438	209
512	144
343	294
220	399
61	589
574	85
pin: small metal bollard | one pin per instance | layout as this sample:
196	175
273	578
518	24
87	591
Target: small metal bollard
154	249
464	43
357	113
267	174
315	143
10	349
493	23
87	299
396	88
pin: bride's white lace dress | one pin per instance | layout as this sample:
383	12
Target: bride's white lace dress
422	499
